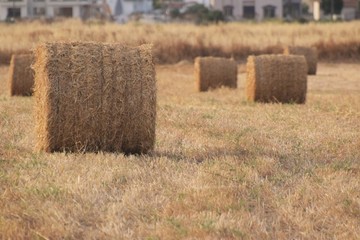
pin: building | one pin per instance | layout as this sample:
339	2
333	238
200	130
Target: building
314	8
123	8
71	8
350	9
292	9
43	8
249	9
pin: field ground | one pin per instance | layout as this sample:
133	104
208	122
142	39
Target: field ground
222	168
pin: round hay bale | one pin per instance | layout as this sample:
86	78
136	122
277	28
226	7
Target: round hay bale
95	97
214	72
276	78
21	76
310	55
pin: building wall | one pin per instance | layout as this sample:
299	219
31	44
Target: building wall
348	13
5	5
128	7
3	13
351	3
23	12
133	6
76	12
51	6
50	11
260	4
350	9
239	5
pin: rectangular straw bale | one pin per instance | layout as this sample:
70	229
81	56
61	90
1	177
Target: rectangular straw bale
95	97
309	53
21	76
276	78
212	72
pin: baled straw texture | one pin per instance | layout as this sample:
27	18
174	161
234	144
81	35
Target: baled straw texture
276	78
212	72
21	76
95	97
310	55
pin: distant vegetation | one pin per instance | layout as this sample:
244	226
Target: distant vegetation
176	42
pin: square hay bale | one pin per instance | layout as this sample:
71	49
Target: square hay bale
276	78
21	76
213	72
310	55
94	97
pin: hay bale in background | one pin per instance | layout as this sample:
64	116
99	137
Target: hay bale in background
6	54
276	78
21	76
95	97
212	72
310	55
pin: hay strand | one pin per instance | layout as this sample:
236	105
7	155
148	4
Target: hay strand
276	78
95	97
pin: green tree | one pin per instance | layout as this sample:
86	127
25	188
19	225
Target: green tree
203	14
326	6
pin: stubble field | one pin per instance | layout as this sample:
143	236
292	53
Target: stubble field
222	168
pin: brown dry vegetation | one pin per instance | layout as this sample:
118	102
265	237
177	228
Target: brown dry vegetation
340	41
222	168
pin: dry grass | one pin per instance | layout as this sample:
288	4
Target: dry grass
95	97
174	42
222	168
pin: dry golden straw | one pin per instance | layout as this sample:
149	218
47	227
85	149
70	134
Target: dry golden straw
310	55
212	72
276	78
21	76
95	97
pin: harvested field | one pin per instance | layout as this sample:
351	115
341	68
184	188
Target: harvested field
95	97
222	168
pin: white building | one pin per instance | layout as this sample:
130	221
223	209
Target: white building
70	8
249	9
43	8
127	7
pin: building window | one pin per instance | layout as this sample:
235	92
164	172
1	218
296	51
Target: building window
292	10
13	13
269	11
229	11
39	11
63	12
249	12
